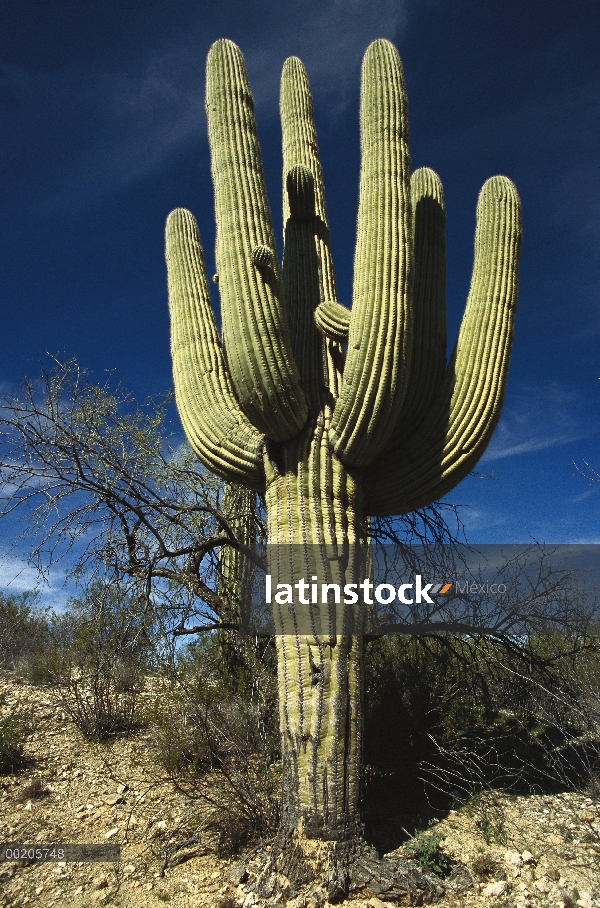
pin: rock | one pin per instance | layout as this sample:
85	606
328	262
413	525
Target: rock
460	879
111	832
316	897
494	889
100	882
298	902
236	874
514	858
111	800
528	858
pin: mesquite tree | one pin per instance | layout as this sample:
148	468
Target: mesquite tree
333	414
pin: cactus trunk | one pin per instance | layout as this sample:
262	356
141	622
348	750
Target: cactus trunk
316	526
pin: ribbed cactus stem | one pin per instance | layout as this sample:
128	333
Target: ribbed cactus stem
300	185
300	147
377	362
459	425
255	328
314	513
301	281
236	569
216	427
428	355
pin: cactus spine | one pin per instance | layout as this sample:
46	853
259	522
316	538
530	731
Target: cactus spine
332	435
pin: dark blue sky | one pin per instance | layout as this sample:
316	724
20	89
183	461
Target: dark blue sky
104	133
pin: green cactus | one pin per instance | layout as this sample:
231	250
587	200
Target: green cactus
236	569
334	414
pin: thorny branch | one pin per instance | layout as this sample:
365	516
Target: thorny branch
98	481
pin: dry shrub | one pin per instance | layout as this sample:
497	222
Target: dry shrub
217	736
97	660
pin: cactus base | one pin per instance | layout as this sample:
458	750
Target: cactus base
302	871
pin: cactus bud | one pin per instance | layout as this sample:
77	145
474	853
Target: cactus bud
262	257
333	320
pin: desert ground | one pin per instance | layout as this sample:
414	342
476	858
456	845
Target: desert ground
541	850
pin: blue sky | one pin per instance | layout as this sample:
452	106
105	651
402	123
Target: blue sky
104	133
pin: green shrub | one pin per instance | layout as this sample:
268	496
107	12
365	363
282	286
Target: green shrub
13	732
23	632
474	714
426	849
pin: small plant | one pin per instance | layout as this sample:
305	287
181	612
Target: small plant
492	829
33	791
491	821
226	901
426	849
12	738
570	899
484	866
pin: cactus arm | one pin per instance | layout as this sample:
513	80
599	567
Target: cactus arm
215	426
459	425
308	271
300	147
255	328
428	359
301	280
333	320
377	362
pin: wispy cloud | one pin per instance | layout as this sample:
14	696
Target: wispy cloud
148	111
538	418
17	576
477	519
589	493
330	38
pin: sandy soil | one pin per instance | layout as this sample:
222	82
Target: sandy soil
521	851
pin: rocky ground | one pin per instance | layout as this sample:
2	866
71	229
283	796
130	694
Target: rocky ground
520	851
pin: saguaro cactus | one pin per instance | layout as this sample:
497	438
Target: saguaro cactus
334	414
